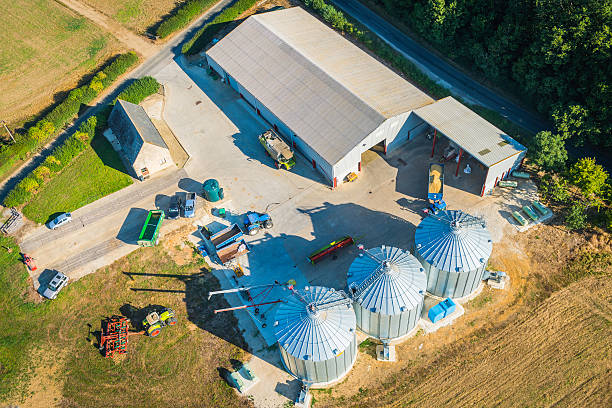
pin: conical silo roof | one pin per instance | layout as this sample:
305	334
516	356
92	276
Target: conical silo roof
398	287
453	241
311	334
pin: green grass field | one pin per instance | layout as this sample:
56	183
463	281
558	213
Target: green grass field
44	48
97	172
54	343
137	15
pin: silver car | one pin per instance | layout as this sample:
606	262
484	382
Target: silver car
190	203
57	283
61	219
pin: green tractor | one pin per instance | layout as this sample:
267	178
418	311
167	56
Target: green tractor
157	320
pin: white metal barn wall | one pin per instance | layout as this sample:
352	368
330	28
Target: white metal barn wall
501	170
394	131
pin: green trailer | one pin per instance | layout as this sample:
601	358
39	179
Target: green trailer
149	235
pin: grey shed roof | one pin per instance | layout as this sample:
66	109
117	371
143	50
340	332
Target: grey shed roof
328	91
400	288
483	141
315	336
141	121
453	242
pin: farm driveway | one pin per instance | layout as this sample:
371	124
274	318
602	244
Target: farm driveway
100	232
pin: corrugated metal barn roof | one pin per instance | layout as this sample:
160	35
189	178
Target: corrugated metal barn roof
453	241
328	91
141	121
315	336
400	288
472	133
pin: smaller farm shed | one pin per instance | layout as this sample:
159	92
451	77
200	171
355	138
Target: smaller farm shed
490	146
142	145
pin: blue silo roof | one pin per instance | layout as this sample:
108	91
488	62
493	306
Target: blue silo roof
315	336
453	241
399	288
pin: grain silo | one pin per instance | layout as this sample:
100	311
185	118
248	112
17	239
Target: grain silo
388	286
315	329
454	248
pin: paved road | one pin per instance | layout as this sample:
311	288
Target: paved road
440	70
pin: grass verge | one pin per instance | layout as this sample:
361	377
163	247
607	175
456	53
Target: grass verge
97	172
179	368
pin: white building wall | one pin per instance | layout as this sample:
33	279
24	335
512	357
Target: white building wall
394	131
153	157
501	170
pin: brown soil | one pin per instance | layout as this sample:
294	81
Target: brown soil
516	347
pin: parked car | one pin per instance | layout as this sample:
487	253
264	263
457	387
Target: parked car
57	283
174	211
190	203
61	219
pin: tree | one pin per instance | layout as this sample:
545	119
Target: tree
588	176
548	151
576	217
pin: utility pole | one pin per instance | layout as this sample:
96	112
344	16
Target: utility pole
9	132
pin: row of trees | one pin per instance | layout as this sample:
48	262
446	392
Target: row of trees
556	51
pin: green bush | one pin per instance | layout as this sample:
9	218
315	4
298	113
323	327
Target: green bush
55	120
118	67
589	176
183	16
554	187
205	35
576	217
139	90
16	197
53	164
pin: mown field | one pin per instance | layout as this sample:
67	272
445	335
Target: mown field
48	350
44	49
97	172
137	15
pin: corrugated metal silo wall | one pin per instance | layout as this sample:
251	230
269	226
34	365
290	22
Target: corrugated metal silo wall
451	284
383	326
321	371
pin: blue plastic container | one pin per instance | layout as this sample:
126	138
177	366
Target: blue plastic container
436	313
448	305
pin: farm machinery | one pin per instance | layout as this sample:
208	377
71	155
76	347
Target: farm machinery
277	149
435	189
256	221
115	330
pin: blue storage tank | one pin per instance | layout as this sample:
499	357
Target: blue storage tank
441	310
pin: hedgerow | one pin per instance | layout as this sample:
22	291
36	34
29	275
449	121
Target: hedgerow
53	164
183	16
206	34
63	113
139	89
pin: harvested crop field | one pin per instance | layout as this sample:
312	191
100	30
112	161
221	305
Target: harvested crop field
137	15
545	342
46	49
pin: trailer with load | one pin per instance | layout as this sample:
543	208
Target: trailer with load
435	188
226	236
277	149
149	235
233	250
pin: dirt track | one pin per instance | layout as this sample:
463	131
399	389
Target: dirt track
127	37
560	355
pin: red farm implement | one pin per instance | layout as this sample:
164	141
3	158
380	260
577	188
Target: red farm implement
114	336
330	248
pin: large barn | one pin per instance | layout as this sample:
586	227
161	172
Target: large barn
328	98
